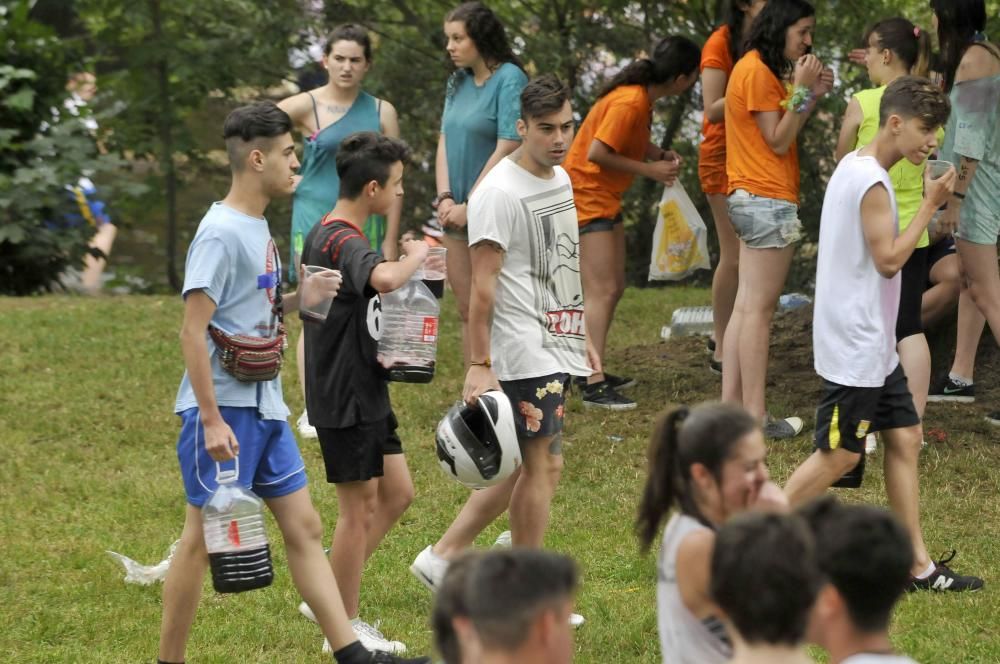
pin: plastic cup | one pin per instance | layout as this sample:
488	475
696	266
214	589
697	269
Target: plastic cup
435	267
938	167
315	299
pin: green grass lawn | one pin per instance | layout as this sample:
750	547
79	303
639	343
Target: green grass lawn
89	434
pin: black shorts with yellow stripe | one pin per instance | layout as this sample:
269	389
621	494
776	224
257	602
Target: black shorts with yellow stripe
847	414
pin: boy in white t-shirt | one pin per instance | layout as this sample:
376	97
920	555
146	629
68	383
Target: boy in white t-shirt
857	299
526	330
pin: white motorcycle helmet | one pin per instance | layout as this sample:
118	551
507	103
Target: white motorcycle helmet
477	445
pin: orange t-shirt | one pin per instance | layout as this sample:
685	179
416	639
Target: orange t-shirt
621	120
751	164
715	55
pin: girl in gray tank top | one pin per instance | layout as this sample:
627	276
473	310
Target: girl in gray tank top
707	464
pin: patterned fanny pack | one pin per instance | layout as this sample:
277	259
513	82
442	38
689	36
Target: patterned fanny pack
250	359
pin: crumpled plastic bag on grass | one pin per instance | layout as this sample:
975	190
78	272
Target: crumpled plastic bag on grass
145	575
680	240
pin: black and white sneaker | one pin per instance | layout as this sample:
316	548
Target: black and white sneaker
994	418
616	382
715	366
710	344
603	395
948	389
779	429
943	578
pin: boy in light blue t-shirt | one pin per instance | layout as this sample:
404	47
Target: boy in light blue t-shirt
232	283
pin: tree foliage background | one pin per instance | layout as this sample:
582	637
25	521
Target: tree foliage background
169	70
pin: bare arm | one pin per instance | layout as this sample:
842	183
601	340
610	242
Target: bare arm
390	246
662	170
849	129
299	109
487	259
779	131
713	94
694	559
390	275
220	442
890	251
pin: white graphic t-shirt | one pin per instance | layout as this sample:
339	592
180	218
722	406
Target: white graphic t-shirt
538	312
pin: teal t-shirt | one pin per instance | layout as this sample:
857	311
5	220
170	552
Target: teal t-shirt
475	118
973	131
317	192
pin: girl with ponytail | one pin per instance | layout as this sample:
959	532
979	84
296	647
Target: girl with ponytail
611	147
705	465
895	47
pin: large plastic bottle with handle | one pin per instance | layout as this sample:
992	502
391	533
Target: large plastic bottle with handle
407	348
233	522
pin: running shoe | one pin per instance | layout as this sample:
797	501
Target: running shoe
948	389
871	444
370	638
429	568
710	344
603	395
715	366
503	540
943	578
306	430
788	427
994	418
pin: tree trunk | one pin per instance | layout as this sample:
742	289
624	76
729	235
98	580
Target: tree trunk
166	137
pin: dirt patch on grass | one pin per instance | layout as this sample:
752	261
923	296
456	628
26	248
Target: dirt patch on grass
677	371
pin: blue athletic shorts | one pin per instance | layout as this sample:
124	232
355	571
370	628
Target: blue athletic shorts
269	459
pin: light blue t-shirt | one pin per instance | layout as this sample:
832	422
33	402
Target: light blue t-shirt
475	117
232	259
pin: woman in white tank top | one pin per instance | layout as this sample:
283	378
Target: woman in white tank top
708	463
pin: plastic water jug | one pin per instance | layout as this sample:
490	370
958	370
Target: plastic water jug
408	346
233	521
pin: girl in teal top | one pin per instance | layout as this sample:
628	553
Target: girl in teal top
896	47
478	129
971	68
325	116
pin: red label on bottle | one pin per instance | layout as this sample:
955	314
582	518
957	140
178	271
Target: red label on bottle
234	533
430	333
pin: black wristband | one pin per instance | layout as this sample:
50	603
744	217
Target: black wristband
959	195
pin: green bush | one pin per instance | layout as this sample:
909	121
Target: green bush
41	151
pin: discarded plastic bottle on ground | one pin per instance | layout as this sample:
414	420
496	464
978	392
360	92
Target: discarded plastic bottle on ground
233	521
408	346
792	301
690	320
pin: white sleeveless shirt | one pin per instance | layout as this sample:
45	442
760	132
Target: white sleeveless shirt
854	318
684	639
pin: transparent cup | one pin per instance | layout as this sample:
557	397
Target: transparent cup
938	167
435	267
315	294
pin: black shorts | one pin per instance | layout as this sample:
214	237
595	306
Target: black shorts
847	414
941	249
911	292
539	404
355	454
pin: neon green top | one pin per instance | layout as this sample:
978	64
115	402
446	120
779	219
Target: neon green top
907	178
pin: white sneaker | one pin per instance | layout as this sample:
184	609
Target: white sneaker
369	636
429	568
307	612
871	444
503	540
373	639
306	430
575	620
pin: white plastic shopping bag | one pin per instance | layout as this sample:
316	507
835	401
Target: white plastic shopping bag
680	241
